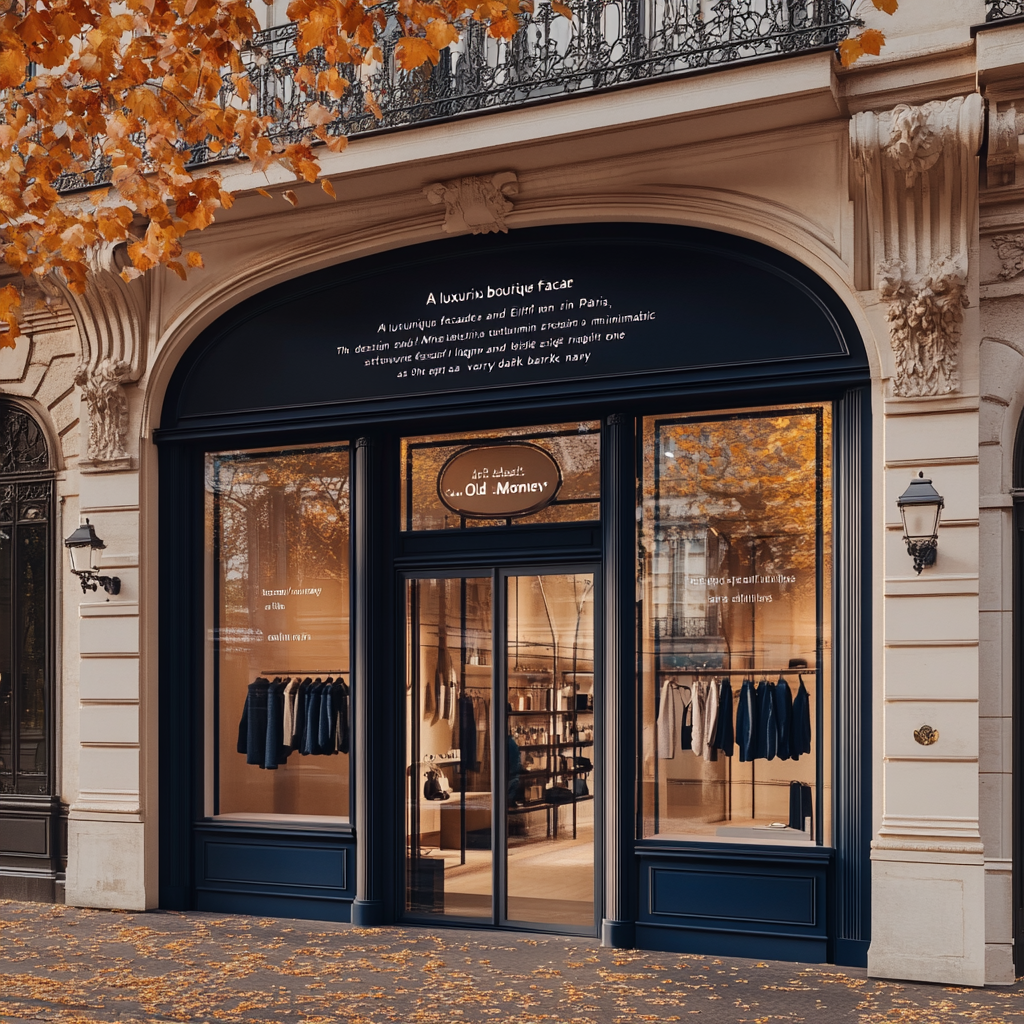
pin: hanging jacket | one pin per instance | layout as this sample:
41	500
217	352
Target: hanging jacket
467	734
342	704
311	734
709	733
747	721
724	733
288	724
275	752
767	744
686	726
783	717
699	701
252	729
667	724
299	725
800	724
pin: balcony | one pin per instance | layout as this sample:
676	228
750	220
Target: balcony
685	627
998	10
607	45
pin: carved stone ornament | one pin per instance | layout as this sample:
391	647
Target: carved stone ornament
926	735
477	204
108	408
914	179
1010	250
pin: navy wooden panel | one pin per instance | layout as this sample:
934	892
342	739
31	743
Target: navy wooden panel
735	901
307	874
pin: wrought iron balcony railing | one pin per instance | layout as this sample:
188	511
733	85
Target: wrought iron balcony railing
608	43
685	627
999	9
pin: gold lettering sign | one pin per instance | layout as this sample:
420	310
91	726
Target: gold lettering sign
499	481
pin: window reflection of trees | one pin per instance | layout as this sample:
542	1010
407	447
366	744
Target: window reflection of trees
277	517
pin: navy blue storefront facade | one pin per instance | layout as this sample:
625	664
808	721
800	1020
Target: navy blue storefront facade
531	689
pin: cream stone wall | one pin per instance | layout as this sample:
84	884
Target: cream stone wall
762	151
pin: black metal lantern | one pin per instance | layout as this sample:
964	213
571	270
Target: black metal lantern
84	549
920	507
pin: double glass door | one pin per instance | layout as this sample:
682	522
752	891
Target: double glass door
501	747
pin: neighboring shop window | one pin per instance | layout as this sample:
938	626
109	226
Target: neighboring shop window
26	517
736	686
506	475
278	697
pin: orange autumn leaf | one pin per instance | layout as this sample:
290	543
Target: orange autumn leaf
888	6
413	51
328	188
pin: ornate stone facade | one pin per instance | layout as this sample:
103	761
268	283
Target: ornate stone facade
477	204
108	408
915	176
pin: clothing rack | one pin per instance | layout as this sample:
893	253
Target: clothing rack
751	673
303	672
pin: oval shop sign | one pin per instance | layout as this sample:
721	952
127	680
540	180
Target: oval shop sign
499	481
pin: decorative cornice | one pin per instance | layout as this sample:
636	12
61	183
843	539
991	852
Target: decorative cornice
111	313
476	204
915	178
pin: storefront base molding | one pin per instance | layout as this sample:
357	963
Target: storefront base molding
274	872
927	914
31	886
721	942
369	913
618	934
107	865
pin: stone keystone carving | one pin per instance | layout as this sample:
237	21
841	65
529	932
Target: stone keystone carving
914	175
108	408
478	204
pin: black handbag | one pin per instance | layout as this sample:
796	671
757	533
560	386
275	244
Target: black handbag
580	787
432	786
583	764
558	795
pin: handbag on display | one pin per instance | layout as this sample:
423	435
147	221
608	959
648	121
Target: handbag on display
583	764
558	795
580	788
432	789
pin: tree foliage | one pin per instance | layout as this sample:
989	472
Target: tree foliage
139	84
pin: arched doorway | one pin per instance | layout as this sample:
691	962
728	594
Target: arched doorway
30	856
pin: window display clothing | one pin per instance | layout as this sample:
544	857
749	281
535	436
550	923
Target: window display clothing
668	720
724	732
284	716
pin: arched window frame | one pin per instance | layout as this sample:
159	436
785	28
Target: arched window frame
27	581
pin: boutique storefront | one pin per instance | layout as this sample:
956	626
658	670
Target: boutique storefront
528	595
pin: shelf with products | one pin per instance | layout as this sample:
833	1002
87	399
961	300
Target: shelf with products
550	721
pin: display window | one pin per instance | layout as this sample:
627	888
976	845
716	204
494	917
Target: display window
571	493
735	546
278	698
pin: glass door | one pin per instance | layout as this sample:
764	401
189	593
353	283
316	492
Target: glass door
549	663
500	749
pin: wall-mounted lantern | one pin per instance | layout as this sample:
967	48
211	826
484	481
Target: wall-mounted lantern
84	549
921	506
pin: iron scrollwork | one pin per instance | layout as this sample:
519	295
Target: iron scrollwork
999	9
608	43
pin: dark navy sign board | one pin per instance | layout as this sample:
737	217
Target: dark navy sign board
538	306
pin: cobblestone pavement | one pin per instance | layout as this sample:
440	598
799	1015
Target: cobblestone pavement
67	965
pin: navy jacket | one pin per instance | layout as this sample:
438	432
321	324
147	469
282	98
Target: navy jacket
783	717
746	721
724	734
767	741
800	729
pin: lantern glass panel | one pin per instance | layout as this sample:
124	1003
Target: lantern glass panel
920	521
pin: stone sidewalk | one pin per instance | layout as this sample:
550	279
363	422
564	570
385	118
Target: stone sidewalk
62	964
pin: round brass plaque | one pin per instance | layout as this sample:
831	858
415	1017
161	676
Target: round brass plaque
499	481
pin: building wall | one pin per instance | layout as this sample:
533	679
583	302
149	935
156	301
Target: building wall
787	152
